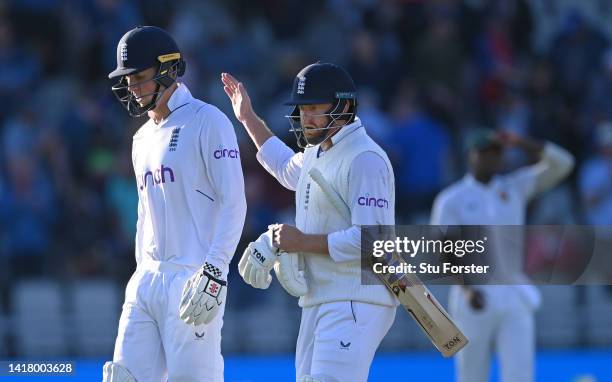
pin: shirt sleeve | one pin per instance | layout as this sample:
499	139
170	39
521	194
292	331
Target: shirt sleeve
556	164
225	175
280	161
140	219
371	199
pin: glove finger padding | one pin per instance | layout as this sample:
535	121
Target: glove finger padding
246	273
202	296
243	262
251	274
289	275
188	303
187	292
262	279
257	260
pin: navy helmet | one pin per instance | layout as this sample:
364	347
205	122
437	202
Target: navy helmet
139	49
322	83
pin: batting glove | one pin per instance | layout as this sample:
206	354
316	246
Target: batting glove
202	296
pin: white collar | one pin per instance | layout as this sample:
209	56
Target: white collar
346	130
181	96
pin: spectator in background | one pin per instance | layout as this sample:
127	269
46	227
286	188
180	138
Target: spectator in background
438	59
324	25
370	112
28	215
520	19
496	62
597	106
595	179
366	62
419	147
110	18
19	68
549	114
512	115
21	133
574	51
595	185
38	23
121	199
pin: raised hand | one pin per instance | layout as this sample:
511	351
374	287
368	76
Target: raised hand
237	93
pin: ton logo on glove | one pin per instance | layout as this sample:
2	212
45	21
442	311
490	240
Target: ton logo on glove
259	256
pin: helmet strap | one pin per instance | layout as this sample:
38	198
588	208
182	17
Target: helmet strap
155	98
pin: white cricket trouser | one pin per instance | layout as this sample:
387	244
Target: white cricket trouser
339	339
504	325
153	343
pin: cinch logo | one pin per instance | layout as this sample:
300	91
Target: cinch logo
373	202
123	52
160	175
226	153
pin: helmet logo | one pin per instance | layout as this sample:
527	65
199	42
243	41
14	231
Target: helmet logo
124	56
301	85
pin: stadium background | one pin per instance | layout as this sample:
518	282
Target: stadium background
427	72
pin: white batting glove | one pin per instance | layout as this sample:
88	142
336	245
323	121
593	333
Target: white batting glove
290	274
202	296
258	260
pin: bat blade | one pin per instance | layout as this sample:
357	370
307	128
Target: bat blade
425	309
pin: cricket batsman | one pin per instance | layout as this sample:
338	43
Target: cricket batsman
342	322
498	317
191	211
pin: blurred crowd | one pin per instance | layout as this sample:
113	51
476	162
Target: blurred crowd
427	72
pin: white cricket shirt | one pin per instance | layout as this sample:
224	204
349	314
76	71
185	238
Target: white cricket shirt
191	201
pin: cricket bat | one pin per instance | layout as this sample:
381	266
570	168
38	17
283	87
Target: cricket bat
410	291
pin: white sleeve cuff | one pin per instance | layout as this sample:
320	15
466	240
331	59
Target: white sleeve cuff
281	162
345	245
271	151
